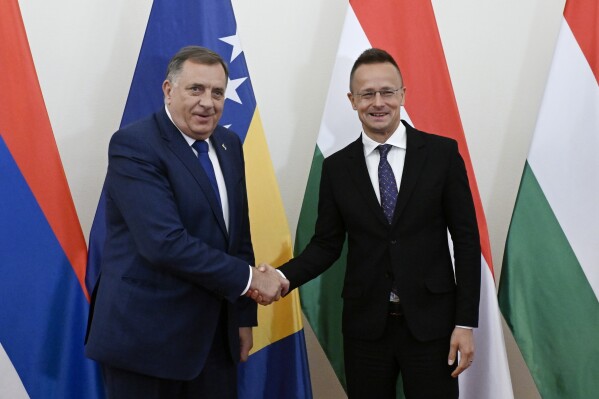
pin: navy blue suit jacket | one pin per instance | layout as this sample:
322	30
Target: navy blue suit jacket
169	265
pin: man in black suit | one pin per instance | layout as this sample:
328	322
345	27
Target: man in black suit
168	317
395	193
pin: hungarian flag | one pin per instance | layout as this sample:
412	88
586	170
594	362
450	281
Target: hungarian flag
408	31
278	365
550	276
43	299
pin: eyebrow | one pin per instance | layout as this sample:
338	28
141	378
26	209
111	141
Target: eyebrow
382	88
202	85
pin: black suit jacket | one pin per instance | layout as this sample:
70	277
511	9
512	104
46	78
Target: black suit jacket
169	265
413	251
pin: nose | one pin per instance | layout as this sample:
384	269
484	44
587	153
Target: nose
206	100
378	99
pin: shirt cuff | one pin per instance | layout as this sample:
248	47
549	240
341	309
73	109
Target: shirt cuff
465	327
247	287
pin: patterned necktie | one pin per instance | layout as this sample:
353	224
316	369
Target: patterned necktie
202	148
387	183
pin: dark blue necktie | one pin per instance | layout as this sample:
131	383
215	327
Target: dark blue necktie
388	191
202	148
387	183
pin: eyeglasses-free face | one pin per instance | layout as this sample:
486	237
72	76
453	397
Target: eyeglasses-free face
195	98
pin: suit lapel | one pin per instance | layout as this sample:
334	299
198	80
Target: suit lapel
181	149
359	173
414	161
225	151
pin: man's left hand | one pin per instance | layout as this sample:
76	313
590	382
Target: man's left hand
246	341
462	340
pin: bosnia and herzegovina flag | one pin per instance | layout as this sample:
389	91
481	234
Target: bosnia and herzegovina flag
549	286
43	300
277	366
408	30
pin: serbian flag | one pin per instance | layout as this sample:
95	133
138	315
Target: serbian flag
550	277
278	365
43	299
408	31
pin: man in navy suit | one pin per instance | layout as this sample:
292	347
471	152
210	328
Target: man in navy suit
169	318
395	193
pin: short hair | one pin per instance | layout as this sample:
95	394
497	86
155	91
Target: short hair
197	54
373	56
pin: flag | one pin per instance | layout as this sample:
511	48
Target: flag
43	299
550	276
408	31
278	365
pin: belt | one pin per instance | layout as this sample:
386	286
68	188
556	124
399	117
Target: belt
395	309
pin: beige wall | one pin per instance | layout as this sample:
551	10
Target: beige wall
498	54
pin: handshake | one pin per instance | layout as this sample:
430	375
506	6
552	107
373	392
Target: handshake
267	285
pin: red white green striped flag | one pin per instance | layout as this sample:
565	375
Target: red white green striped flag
550	275
408	31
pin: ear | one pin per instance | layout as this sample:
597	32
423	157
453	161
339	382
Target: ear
403	97
351	98
166	90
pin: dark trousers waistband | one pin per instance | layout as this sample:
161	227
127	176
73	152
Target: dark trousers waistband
395	309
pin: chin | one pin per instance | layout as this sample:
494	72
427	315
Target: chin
380	129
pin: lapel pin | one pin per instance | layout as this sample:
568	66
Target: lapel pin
224	146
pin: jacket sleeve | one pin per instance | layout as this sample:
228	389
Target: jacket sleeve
139	187
325	246
460	214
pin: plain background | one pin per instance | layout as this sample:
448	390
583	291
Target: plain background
498	54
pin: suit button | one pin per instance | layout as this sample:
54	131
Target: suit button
393	242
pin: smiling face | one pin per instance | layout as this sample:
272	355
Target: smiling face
380	114
195	98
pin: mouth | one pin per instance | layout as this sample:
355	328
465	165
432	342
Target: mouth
378	115
201	117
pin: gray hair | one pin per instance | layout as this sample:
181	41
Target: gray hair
197	54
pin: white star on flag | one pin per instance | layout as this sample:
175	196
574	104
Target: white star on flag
232	86
235	42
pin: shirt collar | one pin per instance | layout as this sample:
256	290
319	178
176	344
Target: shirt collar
397	139
188	139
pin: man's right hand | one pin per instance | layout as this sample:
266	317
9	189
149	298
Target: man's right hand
266	285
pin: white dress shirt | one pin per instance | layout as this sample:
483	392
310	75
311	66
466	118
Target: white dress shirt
395	157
